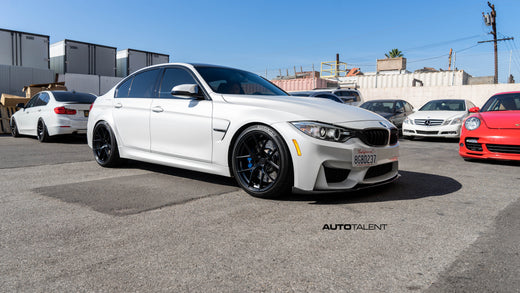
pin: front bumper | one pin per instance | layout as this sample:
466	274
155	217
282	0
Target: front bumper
503	144
448	131
327	166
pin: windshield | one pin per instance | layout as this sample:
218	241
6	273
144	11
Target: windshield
381	107
444	105
505	102
238	82
75	97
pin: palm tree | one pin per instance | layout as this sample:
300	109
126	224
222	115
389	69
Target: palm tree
394	53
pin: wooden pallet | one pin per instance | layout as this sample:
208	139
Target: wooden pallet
5	118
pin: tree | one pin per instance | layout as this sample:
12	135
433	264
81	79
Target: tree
394	53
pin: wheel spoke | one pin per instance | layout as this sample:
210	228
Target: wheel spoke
273	164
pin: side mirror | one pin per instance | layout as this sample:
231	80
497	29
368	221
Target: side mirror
20	105
474	110
189	90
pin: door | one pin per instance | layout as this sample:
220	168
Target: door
181	126
400	114
132	109
27	119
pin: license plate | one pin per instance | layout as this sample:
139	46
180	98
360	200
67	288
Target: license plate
364	157
85	113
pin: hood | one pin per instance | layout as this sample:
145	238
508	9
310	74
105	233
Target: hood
437	114
501	119
305	108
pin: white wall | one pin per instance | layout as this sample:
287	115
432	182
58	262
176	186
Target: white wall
418	96
94	84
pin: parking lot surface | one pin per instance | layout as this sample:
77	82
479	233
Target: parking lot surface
68	225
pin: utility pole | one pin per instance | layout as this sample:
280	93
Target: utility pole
491	20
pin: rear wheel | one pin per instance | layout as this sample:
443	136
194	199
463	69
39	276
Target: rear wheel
104	145
41	131
14	129
261	162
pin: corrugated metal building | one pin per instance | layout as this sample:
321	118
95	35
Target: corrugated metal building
130	60
24	49
69	56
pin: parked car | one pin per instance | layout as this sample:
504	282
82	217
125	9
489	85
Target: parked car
394	111
437	118
493	132
322	95
347	96
51	113
231	122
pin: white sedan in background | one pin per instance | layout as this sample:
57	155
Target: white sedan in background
50	113
437	118
231	122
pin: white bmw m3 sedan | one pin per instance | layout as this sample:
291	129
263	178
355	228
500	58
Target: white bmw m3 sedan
50	113
232	122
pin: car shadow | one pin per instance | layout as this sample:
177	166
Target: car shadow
494	162
411	185
188	174
431	139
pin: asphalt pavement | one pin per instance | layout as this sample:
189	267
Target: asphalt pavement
68	225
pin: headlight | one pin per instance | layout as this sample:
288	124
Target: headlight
472	123
323	131
457	120
408	121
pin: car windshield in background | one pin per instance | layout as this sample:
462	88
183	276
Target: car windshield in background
380	107
232	81
507	102
444	105
74	97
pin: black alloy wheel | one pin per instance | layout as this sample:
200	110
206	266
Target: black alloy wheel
14	129
104	145
41	132
261	162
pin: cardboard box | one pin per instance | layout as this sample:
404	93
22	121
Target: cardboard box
33	89
12	100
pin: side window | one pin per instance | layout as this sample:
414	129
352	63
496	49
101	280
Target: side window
32	101
123	89
408	107
42	100
399	105
173	77
144	83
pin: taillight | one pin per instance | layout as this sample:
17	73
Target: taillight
91	105
63	110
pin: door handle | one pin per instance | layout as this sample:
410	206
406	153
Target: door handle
118	105
157	109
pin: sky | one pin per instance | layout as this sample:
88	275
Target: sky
268	37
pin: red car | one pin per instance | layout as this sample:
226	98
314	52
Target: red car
493	132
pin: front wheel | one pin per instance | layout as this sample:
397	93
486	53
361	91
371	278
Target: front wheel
261	162
14	129
104	145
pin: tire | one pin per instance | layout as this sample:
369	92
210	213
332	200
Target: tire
14	129
261	162
104	145
41	132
